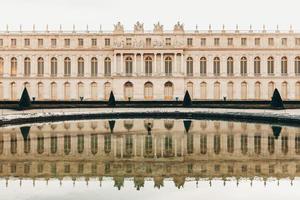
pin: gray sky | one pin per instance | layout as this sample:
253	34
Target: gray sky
168	12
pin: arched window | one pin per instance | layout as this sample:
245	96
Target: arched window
80	63
1	91
257	66
53	91
67	91
148	91
257	91
203	66
107	90
128	66
190	89
94	95
217	91
270	66
297	92
107	66
297	65
168	91
128	91
189	66
40	91
67	66
217	66
13	91
148	66
40	66
243	66
230	66
94	67
284	90
244	90
53	67
1	66
27	66
271	88
13	66
284	66
168	66
80	90
230	90
203	90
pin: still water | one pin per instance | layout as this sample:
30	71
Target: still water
149	159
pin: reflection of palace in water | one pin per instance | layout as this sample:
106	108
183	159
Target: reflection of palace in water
155	149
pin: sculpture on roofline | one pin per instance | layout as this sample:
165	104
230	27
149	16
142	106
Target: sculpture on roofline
158	28
139	27
178	28
118	28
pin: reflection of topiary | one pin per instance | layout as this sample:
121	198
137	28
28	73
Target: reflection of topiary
187	101
276	101
111	100
276	131
25	100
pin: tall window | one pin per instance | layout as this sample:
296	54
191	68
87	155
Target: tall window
243	66
284	66
189	66
80	64
53	66
297	65
148	66
40	67
13	66
94	67
168	91
230	66
67	66
107	66
148	91
128	66
168	66
270	66
217	66
257	66
128	91
1	66
203	66
27	66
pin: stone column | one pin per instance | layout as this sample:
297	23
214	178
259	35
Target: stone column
142	65
182	65
162	71
155	65
175	65
33	66
100	66
122	70
87	66
134	71
6	66
114	69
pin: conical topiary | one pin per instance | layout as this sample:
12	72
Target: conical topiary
111	100
24	100
25	131
276	101
276	131
111	125
187	101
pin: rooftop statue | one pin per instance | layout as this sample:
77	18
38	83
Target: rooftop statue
139	27
178	28
118	28
158	28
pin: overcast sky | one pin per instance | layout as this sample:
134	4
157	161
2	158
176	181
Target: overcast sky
168	12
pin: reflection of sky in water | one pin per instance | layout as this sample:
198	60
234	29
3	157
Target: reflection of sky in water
93	191
139	154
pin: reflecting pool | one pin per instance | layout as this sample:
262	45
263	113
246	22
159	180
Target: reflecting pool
149	159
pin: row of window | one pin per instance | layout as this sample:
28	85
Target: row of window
168	144
148	67
168	42
129	91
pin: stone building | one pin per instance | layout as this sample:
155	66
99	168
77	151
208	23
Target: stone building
150	65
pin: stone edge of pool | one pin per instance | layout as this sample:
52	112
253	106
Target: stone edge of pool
281	117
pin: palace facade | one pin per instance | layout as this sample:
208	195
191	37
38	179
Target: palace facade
127	149
155	65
